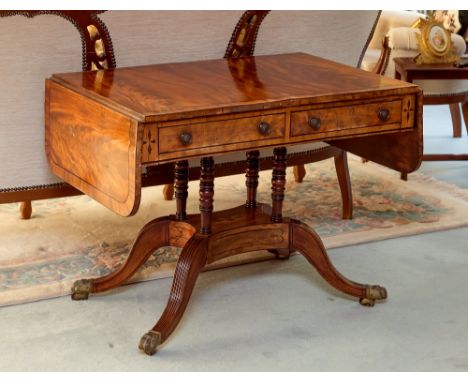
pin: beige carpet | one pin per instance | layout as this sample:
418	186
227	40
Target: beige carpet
72	238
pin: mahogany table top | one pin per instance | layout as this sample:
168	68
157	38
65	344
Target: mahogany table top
189	89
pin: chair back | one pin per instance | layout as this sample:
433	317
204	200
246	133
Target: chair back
341	36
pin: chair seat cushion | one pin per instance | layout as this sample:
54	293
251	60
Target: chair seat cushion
443	87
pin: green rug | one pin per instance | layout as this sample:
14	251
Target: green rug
72	238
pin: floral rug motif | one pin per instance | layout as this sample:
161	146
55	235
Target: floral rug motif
71	238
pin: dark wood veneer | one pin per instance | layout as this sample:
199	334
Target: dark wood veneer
175	99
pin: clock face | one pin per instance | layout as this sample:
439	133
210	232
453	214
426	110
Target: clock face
438	39
434	43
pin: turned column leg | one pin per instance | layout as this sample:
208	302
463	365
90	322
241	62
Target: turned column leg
251	178
181	175
191	261
278	184
206	194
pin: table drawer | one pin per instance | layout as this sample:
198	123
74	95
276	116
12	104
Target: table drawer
218	133
374	115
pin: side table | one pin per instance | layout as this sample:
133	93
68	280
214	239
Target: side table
407	70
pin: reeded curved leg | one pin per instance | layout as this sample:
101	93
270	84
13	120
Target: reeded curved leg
191	261
342	172
152	236
307	242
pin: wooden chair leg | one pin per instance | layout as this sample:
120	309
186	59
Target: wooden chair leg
299	173
344	180
456	120
168	191
465	115
25	209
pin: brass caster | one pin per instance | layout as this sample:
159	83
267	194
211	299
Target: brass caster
150	342
376	292
366	302
81	289
281	254
373	292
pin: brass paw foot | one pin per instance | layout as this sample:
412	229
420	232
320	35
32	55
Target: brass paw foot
150	342
81	289
373	292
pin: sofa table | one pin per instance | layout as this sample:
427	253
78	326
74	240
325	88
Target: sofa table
103	126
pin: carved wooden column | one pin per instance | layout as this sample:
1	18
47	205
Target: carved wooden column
206	194
181	175
251	178
278	184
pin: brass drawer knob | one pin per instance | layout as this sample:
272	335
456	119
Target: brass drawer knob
384	114
264	128
185	138
314	122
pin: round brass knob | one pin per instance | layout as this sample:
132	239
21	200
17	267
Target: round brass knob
384	114
264	128
185	138
314	122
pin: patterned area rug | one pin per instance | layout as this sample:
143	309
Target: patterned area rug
72	238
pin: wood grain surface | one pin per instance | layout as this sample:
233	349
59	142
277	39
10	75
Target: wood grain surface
93	148
189	89
103	126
